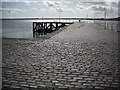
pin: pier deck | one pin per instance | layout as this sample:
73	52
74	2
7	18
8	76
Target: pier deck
48	27
81	57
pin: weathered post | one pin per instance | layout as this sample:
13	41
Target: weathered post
45	27
105	16
50	26
33	29
63	24
56	26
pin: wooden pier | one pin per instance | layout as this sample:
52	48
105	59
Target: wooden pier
41	28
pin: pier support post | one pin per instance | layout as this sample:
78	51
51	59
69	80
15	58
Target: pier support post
63	24
41	28
56	26
45	28
50	26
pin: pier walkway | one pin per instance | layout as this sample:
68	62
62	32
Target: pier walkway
81	57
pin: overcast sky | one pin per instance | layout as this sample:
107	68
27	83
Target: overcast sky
58	8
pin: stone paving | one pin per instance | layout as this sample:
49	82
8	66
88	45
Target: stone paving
82	57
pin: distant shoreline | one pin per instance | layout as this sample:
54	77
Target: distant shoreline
50	18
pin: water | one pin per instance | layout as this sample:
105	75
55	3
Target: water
24	28
21	28
17	29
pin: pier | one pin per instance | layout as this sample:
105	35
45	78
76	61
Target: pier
48	27
42	28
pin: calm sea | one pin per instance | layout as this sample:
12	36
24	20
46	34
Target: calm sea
17	29
20	28
23	28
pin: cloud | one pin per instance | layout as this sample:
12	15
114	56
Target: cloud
66	7
78	1
59	10
59	6
98	8
81	6
5	10
50	3
9	10
27	3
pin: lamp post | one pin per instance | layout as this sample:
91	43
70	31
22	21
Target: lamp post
94	17
87	15
105	16
87	18
59	17
42	19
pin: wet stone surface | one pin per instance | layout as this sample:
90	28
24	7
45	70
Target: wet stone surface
85	57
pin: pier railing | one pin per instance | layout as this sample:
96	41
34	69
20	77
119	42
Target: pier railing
110	25
42	28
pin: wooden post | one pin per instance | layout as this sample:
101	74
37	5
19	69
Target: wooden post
42	28
63	24
45	27
33	29
56	26
50	26
38	28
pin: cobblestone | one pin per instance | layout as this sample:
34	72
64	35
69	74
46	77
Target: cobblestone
84	57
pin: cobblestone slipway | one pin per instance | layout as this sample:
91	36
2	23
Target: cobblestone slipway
82	57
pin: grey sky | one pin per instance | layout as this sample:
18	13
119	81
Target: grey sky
58	8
